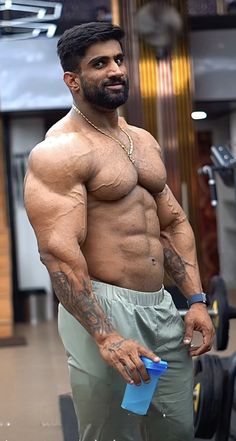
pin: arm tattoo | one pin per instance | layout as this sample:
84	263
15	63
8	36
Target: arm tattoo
81	303
174	266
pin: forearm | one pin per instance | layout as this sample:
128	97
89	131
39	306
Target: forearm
77	297
72	286
176	236
180	257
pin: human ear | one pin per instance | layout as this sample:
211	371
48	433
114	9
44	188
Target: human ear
72	81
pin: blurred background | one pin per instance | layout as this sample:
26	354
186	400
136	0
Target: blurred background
181	57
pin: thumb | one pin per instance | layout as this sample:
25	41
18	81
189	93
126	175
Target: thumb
188	335
149	354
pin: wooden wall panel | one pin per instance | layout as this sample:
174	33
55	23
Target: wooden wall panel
6	329
4	241
5	284
6	307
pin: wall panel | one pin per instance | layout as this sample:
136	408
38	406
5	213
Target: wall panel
6	309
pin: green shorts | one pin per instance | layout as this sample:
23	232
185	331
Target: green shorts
152	319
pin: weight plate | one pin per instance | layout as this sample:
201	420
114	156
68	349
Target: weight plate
219	302
208	387
196	397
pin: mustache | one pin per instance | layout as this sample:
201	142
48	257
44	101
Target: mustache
115	82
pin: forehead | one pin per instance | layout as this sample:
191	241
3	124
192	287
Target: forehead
102	49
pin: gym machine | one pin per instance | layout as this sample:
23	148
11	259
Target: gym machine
214	379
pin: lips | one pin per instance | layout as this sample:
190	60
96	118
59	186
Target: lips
115	86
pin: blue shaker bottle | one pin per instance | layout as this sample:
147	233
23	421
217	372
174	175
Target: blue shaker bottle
137	399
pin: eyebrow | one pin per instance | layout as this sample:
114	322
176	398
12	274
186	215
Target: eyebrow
105	57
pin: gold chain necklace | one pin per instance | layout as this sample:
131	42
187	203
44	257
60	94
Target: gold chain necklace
131	147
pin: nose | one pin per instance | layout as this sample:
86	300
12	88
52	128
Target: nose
115	70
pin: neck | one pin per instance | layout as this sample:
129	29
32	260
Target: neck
103	118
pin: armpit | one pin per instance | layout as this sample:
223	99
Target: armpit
161	193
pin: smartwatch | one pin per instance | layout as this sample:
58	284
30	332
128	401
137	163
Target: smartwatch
197	298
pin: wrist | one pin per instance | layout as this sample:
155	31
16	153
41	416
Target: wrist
100	338
198	298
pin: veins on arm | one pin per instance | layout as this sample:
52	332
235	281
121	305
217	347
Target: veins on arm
81	303
56	204
178	242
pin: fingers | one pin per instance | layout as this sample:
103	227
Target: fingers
124	355
149	354
124	372
132	369
188	335
206	345
137	370
140	367
202	341
195	350
197	319
142	351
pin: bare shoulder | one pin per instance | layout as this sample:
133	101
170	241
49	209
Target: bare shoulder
142	135
63	125
62	158
146	137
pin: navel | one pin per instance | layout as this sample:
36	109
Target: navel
153	260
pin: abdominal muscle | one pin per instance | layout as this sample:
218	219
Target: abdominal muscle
123	246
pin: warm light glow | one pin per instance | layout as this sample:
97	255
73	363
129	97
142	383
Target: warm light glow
199	115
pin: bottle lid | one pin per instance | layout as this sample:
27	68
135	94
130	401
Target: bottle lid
155	366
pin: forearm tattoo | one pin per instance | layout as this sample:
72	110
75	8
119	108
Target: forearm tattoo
174	266
81	303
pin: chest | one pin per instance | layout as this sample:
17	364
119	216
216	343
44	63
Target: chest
116	176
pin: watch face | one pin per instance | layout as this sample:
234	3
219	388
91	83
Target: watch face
206	299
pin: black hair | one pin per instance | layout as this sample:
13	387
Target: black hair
74	42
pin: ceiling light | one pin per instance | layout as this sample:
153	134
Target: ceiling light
199	115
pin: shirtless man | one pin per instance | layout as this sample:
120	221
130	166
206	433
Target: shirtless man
107	225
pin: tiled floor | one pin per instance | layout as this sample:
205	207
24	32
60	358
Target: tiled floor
31	379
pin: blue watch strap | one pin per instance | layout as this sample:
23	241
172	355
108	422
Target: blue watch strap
197	298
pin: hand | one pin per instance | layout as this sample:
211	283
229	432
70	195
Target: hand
124	355
198	319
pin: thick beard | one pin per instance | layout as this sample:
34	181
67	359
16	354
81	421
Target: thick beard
102	97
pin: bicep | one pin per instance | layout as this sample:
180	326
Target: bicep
169	210
58	219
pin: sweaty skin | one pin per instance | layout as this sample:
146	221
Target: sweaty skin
98	216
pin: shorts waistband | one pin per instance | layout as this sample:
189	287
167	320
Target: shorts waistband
113	292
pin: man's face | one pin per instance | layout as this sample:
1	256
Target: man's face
103	76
